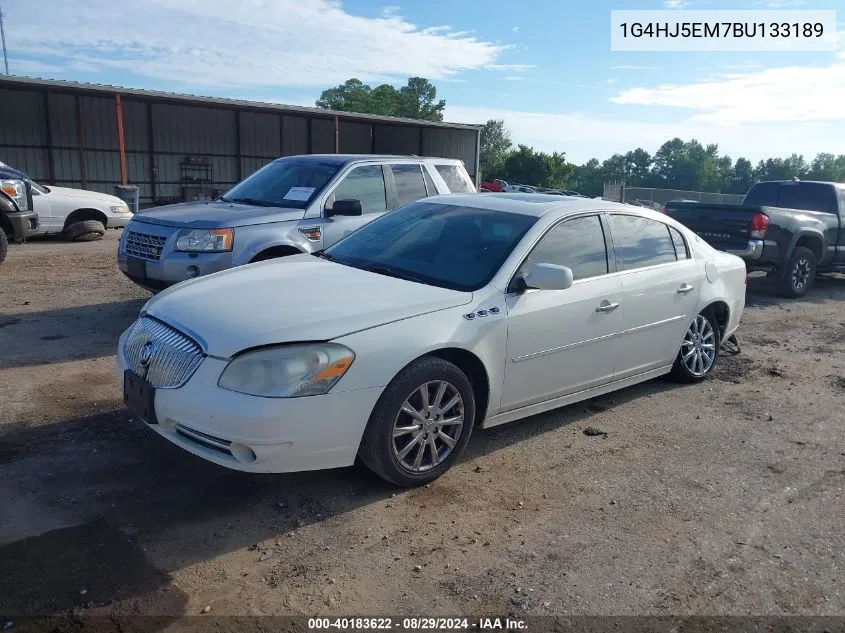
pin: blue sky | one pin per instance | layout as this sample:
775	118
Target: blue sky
543	66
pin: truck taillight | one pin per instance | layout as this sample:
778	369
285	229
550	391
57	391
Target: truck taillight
759	224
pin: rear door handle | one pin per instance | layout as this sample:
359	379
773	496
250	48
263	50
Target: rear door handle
606	306
685	288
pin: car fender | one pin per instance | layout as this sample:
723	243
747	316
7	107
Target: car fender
383	351
812	233
254	239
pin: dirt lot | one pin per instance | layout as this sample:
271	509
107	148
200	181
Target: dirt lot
719	498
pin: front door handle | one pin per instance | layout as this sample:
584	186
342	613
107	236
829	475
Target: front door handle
685	288
606	306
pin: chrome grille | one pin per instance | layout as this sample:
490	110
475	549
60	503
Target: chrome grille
161	354
143	245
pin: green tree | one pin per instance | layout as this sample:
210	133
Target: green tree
638	167
495	145
742	176
416	100
530	167
588	178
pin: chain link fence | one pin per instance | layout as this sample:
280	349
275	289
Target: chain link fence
656	198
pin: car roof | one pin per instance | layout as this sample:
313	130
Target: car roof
342	159
536	204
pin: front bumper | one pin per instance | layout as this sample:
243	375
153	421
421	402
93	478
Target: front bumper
174	266
254	434
23	224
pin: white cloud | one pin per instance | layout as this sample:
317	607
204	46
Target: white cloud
612	80
514	78
515	29
779	4
583	136
788	95
390	11
210	43
518	68
674	4
633	67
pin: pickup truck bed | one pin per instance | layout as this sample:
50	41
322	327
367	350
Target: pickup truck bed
792	242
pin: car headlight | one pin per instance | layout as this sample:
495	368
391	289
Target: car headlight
119	208
16	190
288	371
212	241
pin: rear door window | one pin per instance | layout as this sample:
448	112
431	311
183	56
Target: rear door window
455	178
410	185
639	242
681	250
808	196
429	183
763	194
366	184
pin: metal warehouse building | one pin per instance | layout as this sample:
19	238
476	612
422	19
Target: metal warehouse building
181	147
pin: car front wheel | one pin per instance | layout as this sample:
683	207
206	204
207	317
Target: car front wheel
421	423
699	349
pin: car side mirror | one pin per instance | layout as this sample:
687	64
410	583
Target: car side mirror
548	277
345	207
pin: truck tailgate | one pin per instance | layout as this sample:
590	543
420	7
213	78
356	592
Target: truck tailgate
723	226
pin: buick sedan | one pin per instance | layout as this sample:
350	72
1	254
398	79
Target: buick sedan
448	314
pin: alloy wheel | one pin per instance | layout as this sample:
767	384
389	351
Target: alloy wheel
800	273
428	426
698	351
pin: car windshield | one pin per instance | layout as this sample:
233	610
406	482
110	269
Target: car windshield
287	182
450	246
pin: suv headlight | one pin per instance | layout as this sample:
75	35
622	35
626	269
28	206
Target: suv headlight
288	371
119	208
205	240
16	190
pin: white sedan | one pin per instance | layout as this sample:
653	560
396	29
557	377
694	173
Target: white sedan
78	214
447	314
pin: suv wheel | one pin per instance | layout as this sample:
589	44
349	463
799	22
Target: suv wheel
4	245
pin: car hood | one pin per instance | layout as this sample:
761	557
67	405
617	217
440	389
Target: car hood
297	298
215	214
65	192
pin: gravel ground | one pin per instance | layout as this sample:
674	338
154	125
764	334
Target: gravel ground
719	498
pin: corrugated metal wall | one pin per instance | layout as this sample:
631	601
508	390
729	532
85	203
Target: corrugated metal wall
71	140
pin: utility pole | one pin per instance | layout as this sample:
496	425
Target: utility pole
3	37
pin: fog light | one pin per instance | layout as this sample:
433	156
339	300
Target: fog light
242	453
191	272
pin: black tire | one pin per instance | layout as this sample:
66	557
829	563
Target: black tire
85	231
378	447
681	372
4	245
798	274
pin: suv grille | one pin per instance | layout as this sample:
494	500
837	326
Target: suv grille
162	355
144	246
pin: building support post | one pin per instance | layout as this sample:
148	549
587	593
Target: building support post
51	164
121	144
79	144
336	135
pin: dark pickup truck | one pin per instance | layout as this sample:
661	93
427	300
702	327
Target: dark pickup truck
791	228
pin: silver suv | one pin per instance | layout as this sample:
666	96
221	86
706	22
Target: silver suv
296	204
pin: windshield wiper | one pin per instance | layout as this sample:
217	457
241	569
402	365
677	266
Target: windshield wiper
393	272
323	255
254	202
223	199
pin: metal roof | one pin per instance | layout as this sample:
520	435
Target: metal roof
59	85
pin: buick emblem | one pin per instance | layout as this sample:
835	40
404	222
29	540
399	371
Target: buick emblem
146	356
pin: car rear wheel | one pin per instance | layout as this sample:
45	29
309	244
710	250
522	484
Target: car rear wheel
420	424
699	349
4	244
799	274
